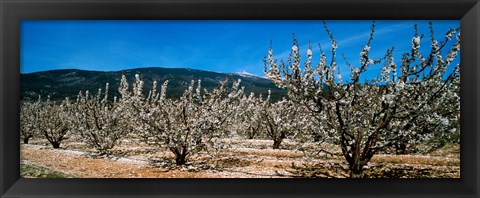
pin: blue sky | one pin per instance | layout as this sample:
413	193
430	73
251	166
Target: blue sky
215	45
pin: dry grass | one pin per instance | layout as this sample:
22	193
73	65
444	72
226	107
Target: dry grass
416	160
83	166
245	159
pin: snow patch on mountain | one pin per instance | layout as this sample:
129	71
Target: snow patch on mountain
249	75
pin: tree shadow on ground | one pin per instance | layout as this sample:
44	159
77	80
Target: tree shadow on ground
339	170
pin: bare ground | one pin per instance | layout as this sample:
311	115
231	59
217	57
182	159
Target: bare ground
246	159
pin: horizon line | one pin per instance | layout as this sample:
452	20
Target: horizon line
148	67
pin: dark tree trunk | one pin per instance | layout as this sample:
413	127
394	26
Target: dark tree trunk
55	144
357	160
316	137
356	171
276	144
401	148
180	159
25	140
180	155
356	163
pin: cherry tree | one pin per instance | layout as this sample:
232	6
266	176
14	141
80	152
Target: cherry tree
282	119
249	116
54	120
185	126
101	123
277	121
28	120
365	118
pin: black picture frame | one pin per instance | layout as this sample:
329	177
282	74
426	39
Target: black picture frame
12	11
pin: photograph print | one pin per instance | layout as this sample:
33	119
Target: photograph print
239	99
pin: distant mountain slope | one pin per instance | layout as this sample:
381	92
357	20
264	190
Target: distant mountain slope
67	83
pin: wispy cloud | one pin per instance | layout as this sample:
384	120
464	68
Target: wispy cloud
363	36
356	39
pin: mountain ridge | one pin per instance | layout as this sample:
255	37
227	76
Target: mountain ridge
69	82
